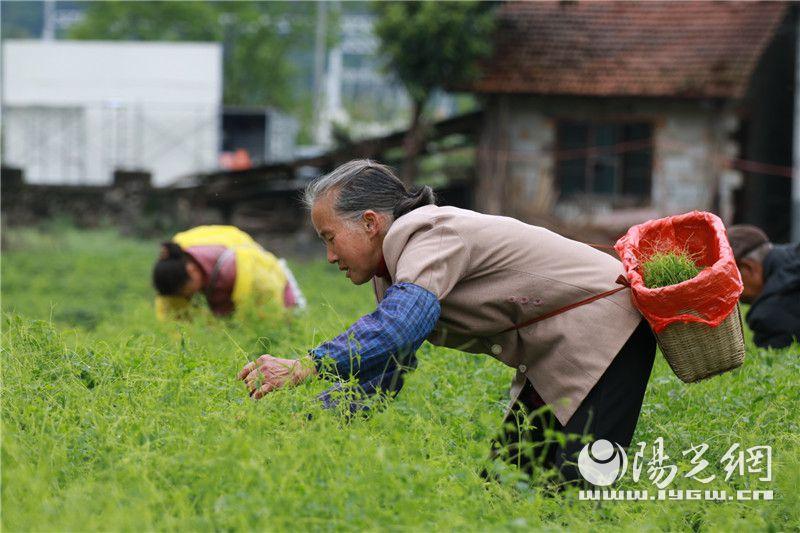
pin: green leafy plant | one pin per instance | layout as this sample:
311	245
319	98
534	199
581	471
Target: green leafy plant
125	423
669	268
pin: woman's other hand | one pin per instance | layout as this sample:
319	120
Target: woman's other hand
268	373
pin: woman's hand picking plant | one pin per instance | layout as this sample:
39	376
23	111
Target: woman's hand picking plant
268	373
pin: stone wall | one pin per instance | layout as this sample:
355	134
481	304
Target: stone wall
517	166
130	203
269	213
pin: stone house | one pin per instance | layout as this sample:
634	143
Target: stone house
606	114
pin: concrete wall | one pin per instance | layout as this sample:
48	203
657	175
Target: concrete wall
78	72
517	167
75	111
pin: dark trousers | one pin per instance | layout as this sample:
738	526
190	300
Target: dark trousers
610	411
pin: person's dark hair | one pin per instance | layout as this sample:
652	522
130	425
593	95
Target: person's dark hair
748	242
363	184
169	272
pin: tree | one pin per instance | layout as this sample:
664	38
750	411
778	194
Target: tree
259	39
429	46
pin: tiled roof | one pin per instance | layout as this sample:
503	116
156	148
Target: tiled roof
686	49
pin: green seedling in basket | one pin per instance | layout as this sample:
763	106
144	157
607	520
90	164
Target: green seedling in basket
668	268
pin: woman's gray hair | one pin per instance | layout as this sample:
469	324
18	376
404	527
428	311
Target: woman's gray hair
362	184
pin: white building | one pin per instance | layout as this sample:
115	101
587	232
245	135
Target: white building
74	111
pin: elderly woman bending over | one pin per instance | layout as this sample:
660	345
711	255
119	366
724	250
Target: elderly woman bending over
471	281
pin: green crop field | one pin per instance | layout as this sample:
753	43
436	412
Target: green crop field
113	421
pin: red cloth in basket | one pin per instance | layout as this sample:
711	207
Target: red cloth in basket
710	296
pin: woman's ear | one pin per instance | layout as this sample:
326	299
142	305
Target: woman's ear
747	266
371	221
752	269
194	271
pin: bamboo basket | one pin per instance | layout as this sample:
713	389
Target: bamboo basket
697	351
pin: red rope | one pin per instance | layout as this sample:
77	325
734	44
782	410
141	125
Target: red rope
621	280
604	246
744	165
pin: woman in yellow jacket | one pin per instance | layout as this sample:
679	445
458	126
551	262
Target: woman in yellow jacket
224	264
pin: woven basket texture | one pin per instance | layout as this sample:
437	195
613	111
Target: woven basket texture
698	351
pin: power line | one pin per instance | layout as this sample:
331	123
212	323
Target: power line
522	155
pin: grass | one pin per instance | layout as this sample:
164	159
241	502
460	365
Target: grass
662	269
113	421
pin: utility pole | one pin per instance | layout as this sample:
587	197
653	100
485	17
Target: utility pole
320	119
49	27
795	235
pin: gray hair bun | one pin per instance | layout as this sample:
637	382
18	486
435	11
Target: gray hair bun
421	197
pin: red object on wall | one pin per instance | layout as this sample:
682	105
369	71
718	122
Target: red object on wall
238	160
707	298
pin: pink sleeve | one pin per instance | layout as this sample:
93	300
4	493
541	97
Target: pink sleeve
289	298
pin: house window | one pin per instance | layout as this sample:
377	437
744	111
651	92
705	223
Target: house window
608	159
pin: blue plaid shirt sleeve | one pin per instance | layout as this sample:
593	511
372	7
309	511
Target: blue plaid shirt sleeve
384	339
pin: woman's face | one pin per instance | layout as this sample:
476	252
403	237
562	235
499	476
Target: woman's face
355	246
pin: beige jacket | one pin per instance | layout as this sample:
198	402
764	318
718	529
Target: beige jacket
490	273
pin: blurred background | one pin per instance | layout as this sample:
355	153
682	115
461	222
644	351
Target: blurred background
585	117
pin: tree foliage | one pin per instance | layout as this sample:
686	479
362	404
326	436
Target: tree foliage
429	46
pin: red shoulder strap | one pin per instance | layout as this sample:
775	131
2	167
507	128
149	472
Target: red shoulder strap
620	280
